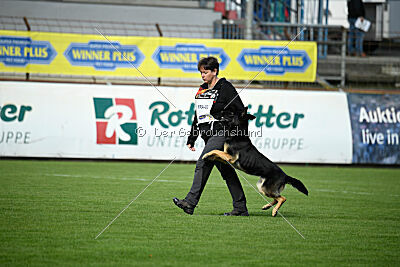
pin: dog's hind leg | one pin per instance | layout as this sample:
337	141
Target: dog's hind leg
269	205
280	201
262	190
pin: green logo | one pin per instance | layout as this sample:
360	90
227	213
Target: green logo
283	120
10	112
161	114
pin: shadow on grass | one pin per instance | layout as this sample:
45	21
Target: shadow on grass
254	214
268	214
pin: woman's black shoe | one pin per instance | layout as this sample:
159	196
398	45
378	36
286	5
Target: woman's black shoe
183	204
237	213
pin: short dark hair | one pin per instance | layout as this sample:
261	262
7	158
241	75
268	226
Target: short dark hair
208	63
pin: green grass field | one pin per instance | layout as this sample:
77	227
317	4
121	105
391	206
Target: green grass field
51	212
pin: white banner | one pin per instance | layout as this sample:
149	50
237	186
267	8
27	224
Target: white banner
137	122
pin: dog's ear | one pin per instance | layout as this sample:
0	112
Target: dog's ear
244	112
250	117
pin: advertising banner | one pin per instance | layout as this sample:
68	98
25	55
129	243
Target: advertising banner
137	122
375	122
94	55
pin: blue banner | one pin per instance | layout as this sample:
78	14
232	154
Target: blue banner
186	56
375	122
103	55
276	60
21	51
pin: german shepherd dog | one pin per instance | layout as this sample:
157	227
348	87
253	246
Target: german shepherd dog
243	155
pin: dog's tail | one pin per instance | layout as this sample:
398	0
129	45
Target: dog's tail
297	184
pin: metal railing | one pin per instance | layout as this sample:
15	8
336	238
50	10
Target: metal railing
229	29
333	65
107	27
223	29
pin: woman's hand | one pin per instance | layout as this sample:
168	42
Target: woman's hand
191	147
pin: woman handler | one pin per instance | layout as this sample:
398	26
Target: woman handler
214	96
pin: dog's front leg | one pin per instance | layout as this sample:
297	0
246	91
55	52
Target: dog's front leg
217	155
212	155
